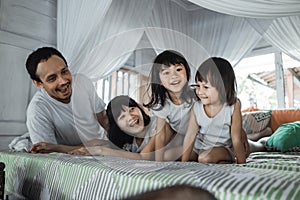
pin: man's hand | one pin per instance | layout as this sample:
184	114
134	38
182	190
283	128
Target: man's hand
44	147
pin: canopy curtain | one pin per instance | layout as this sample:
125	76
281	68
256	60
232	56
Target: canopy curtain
199	34
223	35
106	47
76	23
99	42
168	29
284	33
254	8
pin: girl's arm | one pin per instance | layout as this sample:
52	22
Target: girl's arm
147	152
236	134
126	154
150	146
189	138
96	142
162	137
107	151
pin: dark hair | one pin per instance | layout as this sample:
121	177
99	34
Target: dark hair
158	92
41	54
175	192
220	74
114	109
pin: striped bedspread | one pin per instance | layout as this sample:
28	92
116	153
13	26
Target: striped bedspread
60	176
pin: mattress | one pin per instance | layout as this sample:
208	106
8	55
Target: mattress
266	175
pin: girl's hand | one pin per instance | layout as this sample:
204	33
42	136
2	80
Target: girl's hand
88	151
97	142
80	151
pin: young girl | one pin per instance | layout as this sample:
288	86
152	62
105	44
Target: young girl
130	129
171	101
215	127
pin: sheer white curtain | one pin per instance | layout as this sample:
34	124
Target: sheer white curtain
201	33
254	8
282	28
97	37
223	35
168	29
76	23
284	33
111	39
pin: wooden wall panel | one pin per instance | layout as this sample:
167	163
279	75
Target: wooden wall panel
4	141
34	19
24	26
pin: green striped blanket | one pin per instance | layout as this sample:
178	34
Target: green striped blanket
61	176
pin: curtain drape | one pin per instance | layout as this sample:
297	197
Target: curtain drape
200	34
76	24
284	33
254	8
97	37
168	29
223	35
276	20
111	39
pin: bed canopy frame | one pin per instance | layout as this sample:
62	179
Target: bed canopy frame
98	37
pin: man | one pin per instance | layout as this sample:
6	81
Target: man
64	114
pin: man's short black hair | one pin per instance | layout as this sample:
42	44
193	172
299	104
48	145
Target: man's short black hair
41	54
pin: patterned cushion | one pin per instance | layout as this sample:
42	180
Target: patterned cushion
254	122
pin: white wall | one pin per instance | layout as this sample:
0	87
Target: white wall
24	26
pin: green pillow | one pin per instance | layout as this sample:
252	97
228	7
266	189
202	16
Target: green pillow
286	137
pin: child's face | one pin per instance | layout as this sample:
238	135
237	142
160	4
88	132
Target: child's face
131	121
173	78
208	94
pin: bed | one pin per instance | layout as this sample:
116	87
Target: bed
267	175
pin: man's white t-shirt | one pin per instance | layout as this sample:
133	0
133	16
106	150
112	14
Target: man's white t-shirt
52	121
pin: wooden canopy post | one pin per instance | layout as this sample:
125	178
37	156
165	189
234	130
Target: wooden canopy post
290	89
279	73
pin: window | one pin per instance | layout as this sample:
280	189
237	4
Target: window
122	82
256	80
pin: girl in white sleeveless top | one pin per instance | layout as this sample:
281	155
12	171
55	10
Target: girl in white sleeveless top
171	102
130	132
215	128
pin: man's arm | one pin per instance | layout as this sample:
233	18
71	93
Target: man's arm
103	120
43	147
42	134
